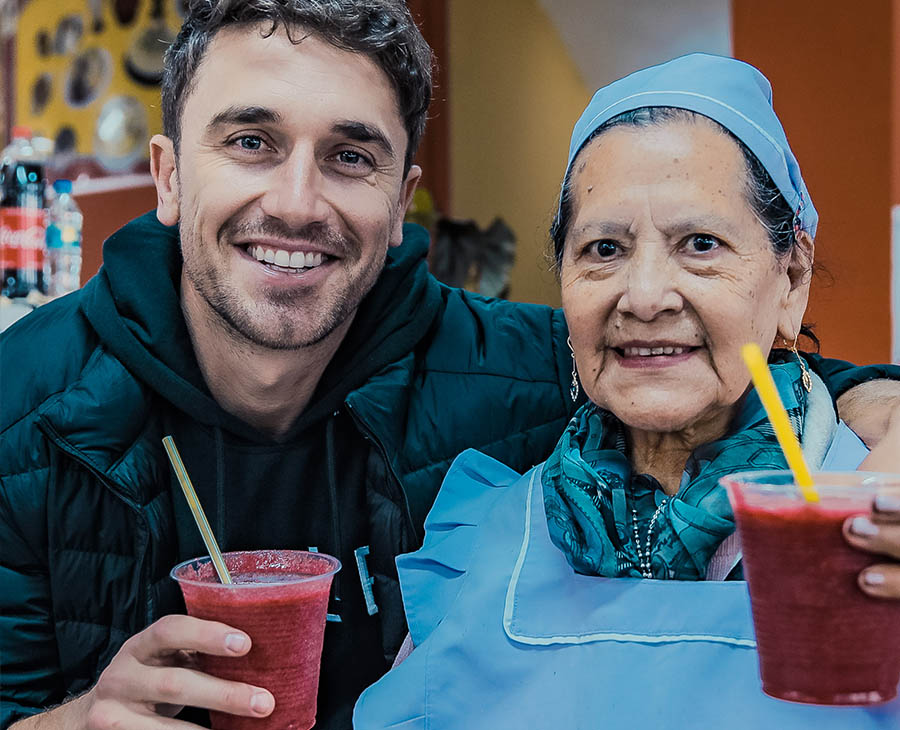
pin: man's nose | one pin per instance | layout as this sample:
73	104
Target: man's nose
296	191
650	286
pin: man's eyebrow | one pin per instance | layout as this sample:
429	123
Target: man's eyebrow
362	132
244	115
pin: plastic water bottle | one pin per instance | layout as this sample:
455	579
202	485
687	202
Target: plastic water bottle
63	268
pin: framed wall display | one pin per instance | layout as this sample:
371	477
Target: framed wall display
86	74
8	16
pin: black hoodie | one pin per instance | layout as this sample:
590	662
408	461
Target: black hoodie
305	490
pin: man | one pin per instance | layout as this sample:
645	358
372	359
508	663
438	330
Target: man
311	372
315	378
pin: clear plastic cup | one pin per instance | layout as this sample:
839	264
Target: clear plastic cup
280	599
820	639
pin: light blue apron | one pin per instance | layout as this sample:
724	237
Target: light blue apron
508	636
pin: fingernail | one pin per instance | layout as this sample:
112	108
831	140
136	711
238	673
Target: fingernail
236	642
870	577
887	503
262	703
863	527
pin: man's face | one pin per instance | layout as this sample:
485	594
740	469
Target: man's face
289	185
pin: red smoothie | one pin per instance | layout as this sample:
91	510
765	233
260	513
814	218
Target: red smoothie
280	599
820	638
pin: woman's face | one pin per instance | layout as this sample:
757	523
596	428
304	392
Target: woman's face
666	273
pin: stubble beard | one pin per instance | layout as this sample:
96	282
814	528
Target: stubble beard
284	319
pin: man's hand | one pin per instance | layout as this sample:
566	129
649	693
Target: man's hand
152	678
871	409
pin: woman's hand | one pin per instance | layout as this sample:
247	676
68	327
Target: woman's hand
879	531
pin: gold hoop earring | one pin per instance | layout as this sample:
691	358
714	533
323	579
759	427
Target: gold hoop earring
806	378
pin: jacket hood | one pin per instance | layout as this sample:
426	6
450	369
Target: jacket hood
135	308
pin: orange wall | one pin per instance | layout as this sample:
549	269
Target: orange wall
830	64
104	213
895	113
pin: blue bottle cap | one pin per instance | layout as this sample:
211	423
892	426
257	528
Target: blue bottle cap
63	186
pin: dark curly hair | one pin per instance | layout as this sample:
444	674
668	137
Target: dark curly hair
383	30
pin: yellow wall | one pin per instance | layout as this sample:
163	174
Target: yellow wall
45	16
514	96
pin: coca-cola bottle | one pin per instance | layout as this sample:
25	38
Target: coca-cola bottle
23	222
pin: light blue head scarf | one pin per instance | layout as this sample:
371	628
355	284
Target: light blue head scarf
731	92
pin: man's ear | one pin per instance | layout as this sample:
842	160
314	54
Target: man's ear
799	273
164	169
406	196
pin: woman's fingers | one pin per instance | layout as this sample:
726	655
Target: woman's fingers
886	508
867	532
881	581
878	532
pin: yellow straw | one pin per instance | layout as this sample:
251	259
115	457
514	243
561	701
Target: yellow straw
768	394
199	517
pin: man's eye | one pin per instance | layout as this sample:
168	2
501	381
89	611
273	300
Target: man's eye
353	159
352	163
702	243
249	142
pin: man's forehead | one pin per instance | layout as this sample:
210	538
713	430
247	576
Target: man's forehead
251	65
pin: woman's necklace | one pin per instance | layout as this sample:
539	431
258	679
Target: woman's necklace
644	559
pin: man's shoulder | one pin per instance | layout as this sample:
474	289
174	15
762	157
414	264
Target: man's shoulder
41	354
495	377
54	366
77	397
487	336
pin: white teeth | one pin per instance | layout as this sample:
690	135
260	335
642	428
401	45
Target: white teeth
286	259
653	351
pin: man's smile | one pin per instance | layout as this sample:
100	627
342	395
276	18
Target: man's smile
287	259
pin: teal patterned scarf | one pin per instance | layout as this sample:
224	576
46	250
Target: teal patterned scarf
593	500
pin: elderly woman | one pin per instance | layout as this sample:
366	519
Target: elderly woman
684	231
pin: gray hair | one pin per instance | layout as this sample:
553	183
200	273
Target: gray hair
763	195
383	30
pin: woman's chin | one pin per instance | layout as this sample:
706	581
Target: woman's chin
668	415
659	423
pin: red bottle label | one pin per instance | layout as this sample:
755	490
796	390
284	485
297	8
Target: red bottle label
22	238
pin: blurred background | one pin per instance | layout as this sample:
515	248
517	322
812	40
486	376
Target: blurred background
513	76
